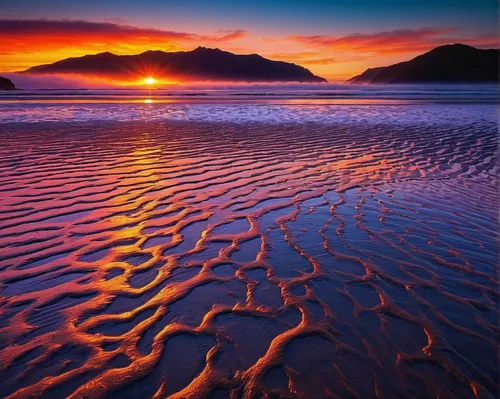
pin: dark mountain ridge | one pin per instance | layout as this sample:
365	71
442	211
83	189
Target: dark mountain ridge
445	64
6	84
199	64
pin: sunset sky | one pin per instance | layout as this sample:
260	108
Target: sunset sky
334	39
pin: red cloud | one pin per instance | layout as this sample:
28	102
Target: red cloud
32	35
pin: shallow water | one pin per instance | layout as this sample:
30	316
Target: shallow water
249	250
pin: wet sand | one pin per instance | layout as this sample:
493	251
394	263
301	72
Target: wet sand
191	259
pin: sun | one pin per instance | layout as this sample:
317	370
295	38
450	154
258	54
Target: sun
150	81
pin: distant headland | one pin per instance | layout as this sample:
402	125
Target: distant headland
452	63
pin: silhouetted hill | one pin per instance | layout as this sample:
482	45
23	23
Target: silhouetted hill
367	76
6	84
447	64
199	64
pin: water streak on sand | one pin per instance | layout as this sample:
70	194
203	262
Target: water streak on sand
191	260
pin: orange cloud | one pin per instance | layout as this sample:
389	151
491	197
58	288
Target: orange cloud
311	58
31	42
334	66
400	41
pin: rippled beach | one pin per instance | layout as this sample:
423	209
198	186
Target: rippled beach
284	249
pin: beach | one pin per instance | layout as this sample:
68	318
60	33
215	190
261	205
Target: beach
196	250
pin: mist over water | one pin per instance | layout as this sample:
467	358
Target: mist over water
242	91
336	244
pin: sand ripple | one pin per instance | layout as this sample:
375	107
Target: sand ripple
192	260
